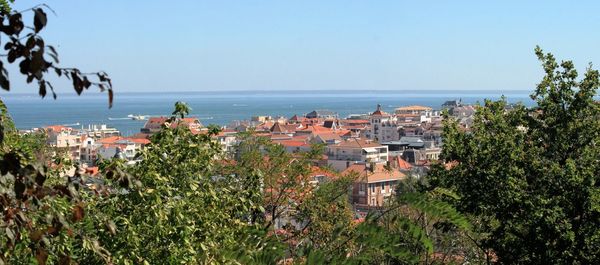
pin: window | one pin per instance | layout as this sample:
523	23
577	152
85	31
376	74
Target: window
372	188
361	188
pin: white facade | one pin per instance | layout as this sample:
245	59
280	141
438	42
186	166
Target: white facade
347	153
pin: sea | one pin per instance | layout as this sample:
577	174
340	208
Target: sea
222	107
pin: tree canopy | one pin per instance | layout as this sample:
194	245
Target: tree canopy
530	175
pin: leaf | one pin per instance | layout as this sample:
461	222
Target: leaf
39	19
16	23
54	57
42	90
4	82
112	228
110	98
51	89
9	233
52	50
12	56
37	235
78	212
19	189
30	43
77	83
41	255
86	83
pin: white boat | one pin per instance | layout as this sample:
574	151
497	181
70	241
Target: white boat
137	117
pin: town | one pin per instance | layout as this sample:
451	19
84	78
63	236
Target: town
381	147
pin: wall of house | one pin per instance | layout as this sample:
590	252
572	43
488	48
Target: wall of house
378	192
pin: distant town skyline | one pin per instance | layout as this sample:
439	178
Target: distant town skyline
319	45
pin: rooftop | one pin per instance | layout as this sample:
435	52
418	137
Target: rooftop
414	108
378	174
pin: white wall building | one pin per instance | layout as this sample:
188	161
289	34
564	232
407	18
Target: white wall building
346	153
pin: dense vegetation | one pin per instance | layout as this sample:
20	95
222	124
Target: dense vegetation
519	187
530	177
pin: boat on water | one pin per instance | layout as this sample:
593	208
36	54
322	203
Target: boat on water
137	117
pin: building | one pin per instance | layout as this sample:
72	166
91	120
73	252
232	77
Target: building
65	138
415	110
450	104
382	126
375	183
283	129
294	145
415	113
154	124
321	114
88	151
346	153
228	140
99	131
260	118
397	147
326	138
128	147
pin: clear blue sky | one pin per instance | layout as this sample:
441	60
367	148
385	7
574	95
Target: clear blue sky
301	45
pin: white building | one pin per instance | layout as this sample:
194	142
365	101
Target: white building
381	126
420	113
346	153
65	138
99	131
129	147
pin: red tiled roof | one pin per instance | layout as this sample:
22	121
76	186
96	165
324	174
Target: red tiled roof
402	164
297	118
283	128
292	143
413	108
57	128
315	128
115	139
379	112
317	171
379	174
354	121
358	143
139	141
111	139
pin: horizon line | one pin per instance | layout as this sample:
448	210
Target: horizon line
8	93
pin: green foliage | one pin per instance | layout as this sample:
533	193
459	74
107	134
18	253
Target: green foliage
5	6
42	210
531	175
175	207
328	219
181	109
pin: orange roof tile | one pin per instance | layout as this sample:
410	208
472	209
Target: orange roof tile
379	174
292	143
58	128
402	164
358	143
414	108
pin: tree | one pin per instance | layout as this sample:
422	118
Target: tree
175	206
530	175
42	217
